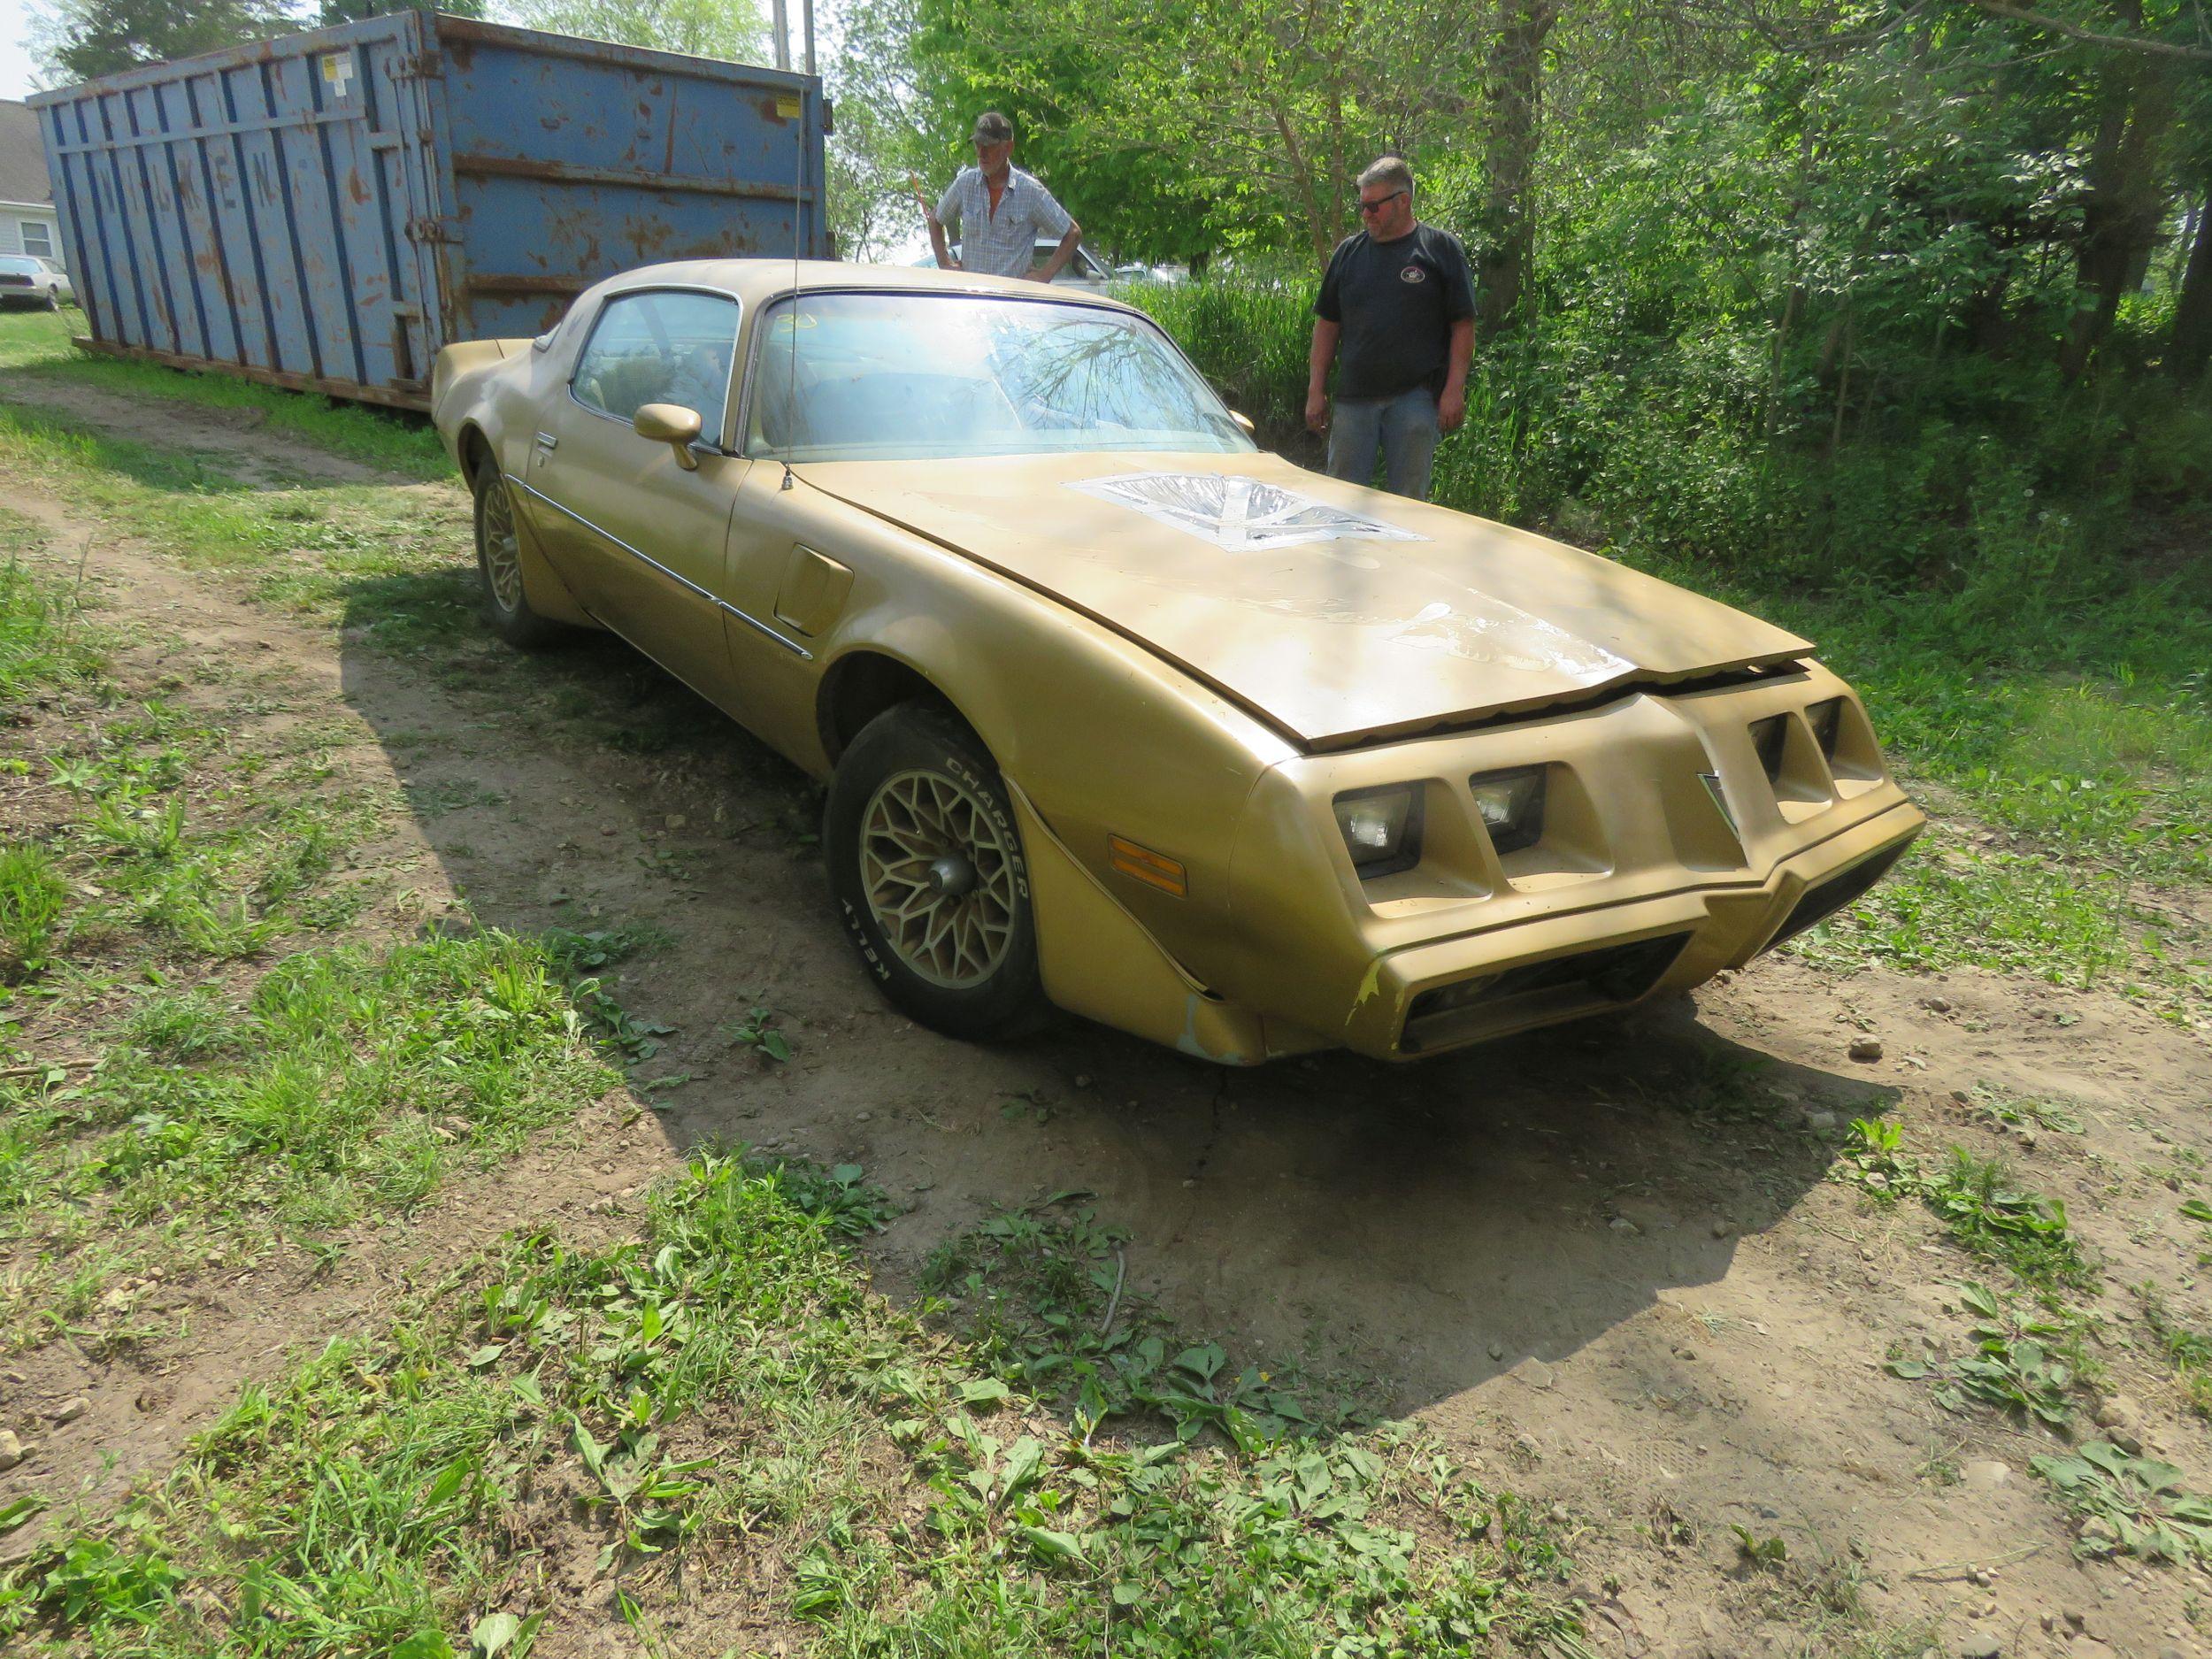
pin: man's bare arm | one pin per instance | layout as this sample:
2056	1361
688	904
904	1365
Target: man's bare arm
1325	334
1451	407
938	248
1061	255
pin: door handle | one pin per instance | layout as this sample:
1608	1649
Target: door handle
547	441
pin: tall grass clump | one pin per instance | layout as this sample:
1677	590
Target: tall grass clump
1249	338
43	642
33	899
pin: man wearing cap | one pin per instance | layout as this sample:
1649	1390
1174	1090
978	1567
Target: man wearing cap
999	212
1398	299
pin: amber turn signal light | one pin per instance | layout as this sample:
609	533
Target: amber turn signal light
1153	869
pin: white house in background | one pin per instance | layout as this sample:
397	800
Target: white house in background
27	200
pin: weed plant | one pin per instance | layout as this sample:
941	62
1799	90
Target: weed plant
34	898
1042	1294
2017	1364
1980	1204
2129	1505
44	639
2186	1347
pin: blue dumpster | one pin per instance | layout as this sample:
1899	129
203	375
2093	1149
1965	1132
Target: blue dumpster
325	212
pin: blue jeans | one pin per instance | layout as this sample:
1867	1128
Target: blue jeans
1403	428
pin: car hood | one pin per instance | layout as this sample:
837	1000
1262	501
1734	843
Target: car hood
1338	615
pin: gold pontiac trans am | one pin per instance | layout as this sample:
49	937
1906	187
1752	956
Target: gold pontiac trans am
1119	713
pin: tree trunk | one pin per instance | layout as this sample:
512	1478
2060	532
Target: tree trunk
1317	226
2191	349
1514	90
2124	212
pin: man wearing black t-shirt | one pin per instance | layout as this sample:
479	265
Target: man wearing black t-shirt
1397	298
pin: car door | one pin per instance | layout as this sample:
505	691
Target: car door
643	538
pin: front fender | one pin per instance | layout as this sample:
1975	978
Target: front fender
1102	737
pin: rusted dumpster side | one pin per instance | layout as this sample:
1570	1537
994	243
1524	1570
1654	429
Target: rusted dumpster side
326	211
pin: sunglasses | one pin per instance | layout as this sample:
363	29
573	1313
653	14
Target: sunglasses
1380	202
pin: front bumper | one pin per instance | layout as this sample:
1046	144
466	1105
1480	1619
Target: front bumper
1426	998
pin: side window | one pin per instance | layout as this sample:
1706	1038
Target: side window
660	347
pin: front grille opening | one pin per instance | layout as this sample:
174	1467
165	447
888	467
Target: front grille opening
1837	891
1612	973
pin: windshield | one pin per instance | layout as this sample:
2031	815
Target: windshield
914	376
16	262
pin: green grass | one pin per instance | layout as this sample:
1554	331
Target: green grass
350	1081
44	641
35	349
313	550
2186	1349
2073	923
33	900
725	1385
253	1081
219	872
348	1078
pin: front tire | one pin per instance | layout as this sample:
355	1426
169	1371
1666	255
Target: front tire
499	565
925	865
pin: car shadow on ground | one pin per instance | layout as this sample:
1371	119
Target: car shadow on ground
1428	1225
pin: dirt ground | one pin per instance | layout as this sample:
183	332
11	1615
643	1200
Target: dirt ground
1606	1264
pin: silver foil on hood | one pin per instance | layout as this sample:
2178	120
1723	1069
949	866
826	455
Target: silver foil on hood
1240	515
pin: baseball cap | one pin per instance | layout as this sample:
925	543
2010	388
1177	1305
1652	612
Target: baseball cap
991	127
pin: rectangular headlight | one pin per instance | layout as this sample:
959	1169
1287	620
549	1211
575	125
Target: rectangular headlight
1381	828
1512	806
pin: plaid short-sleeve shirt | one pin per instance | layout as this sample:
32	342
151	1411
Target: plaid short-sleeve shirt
1002	244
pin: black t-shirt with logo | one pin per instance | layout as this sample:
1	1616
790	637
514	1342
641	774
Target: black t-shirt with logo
1396	303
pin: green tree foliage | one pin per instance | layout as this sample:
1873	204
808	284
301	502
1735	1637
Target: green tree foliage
354	10
80	39
1855	194
1176	130
729	29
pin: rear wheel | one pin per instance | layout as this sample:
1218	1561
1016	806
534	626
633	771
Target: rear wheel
499	565
926	863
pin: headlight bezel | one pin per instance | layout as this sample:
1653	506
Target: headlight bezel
1825	717
1521	824
1771	742
1370	862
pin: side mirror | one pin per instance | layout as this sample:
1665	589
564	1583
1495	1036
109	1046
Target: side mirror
671	424
1245	421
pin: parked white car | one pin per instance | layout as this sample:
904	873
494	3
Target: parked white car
29	278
